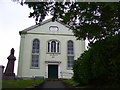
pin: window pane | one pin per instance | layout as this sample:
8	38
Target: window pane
35	47
53	46
58	47
70	61
70	47
48	47
35	59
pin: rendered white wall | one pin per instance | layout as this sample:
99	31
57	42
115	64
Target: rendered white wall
64	34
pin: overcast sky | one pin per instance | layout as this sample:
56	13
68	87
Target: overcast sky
13	18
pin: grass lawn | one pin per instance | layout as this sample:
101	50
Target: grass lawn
71	82
19	83
107	85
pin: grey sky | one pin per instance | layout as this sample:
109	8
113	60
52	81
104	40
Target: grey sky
13	18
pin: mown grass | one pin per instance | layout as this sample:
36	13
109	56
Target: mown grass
19	83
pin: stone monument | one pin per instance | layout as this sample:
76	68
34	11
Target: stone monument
1	70
9	71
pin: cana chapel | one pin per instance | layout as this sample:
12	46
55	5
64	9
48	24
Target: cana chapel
48	50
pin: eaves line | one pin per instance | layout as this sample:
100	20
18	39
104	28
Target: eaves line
51	34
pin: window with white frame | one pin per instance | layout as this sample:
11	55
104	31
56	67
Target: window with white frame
35	53
53	46
70	53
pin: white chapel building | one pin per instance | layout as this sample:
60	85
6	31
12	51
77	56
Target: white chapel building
48	50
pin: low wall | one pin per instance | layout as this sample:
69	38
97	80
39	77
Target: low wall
31	78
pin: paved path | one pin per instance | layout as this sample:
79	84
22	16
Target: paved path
53	84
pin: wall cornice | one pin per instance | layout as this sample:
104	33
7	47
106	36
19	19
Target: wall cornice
50	34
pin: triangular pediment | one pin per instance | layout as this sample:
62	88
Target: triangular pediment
49	27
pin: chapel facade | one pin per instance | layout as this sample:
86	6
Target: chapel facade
48	50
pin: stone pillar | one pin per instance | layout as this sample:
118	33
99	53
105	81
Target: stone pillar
1	74
9	71
1	70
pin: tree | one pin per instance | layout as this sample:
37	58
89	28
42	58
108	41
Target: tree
92	20
100	64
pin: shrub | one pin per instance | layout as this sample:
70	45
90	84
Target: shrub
100	64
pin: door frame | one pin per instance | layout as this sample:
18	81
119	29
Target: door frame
52	63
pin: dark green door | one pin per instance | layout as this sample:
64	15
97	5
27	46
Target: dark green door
52	71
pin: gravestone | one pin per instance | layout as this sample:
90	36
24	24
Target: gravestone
9	71
1	70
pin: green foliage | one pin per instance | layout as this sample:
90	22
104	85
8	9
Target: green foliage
100	64
82	68
71	81
19	83
91	20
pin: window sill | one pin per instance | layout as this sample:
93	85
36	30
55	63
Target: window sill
53	53
34	68
70	55
69	68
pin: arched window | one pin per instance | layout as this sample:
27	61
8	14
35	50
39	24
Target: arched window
70	53
53	46
35	52
70	47
35	47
